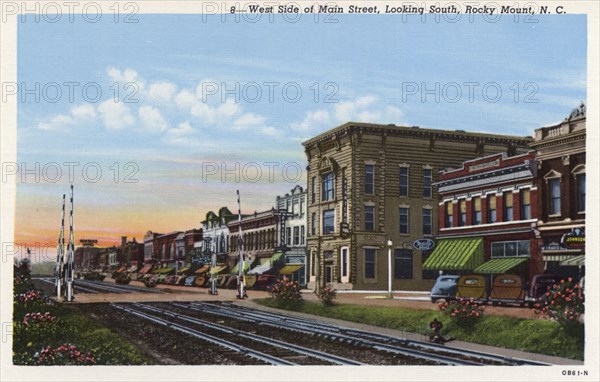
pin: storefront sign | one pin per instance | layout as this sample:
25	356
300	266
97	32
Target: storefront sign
481	166
574	239
424	244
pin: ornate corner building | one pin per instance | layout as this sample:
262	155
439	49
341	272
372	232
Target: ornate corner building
370	183
561	181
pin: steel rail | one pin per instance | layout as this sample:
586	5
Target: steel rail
207	337
94	284
255	337
350	339
51	281
388	339
119	287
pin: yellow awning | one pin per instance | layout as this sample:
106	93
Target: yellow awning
289	269
218	269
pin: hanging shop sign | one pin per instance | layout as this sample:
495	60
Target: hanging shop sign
574	239
424	244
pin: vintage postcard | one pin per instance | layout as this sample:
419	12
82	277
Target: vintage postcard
331	191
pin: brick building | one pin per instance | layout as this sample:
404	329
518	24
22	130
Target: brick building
370	183
487	218
561	151
259	233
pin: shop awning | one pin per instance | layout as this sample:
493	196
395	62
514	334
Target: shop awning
498	266
218	269
163	270
184	269
132	268
289	269
562	256
145	269
262	268
235	269
456	254
202	269
574	261
120	270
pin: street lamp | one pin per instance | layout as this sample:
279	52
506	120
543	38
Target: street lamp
389	244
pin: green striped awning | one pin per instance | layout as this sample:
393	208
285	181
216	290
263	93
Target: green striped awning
498	266
574	261
456	254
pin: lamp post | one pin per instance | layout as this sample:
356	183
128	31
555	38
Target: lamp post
389	244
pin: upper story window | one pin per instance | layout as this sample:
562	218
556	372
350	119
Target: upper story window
369	218
525	196
476	210
404	220
508	206
327	186
328	222
404	181
313	189
427	180
296	235
581	193
427	221
491	208
313	224
579	174
449	218
369	179
554	196
462	210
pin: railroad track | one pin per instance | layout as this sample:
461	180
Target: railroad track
77	287
270	351
418	349
114	288
89	286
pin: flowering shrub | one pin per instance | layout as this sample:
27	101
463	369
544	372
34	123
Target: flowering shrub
463	311
564	303
30	296
286	290
37	318
327	295
65	354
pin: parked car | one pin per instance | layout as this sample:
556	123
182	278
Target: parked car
472	286
265	282
507	289
539	286
444	288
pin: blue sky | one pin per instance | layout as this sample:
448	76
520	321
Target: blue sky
366	62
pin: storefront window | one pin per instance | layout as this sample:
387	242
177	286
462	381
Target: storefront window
403	263
511	249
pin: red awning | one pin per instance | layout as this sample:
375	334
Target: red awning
145	269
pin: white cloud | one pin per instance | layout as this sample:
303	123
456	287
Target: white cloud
368	109
161	92
270	130
182	135
84	111
248	120
221	113
185	99
77	114
184	128
115	115
152	119
313	120
126	76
